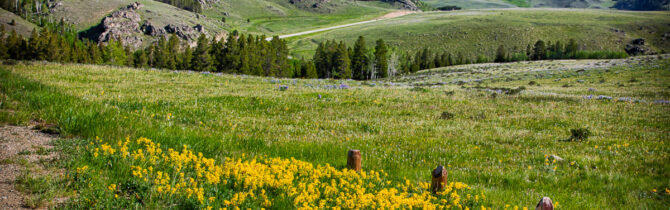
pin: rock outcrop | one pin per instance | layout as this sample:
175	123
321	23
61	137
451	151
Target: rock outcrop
407	4
638	47
183	31
127	26
122	25
150	29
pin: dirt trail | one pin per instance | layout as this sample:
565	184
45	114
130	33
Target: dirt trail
20	143
387	16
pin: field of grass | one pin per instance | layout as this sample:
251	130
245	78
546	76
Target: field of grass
21	26
498	144
475	32
469	4
275	18
487	4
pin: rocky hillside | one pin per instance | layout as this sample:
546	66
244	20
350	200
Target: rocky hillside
127	25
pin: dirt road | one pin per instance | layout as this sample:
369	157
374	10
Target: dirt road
387	16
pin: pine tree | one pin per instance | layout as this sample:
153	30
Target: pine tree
501	54
310	70
186	58
33	45
3	43
572	48
171	52
94	52
14	45
202	60
160	54
359	60
381	59
342	62
540	50
140	59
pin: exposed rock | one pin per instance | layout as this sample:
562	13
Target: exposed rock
183	31
122	25
407	4
199	28
638	47
149	29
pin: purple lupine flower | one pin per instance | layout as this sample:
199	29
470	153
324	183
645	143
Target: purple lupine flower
319	96
588	97
662	101
283	87
344	86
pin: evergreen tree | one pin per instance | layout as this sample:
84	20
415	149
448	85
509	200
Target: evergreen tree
310	70
3	44
501	55
359	60
186	58
342	62
140	59
202	60
14	45
33	45
171	52
540	51
572	48
381	59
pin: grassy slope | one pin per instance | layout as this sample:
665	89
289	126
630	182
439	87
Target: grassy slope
275	18
484	4
268	17
495	144
159	13
478	32
469	4
22	26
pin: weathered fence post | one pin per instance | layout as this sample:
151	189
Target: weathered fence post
354	160
545	204
439	180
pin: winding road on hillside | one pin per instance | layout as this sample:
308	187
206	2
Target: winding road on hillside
387	16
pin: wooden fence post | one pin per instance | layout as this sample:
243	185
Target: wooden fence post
439	180
545	204
354	160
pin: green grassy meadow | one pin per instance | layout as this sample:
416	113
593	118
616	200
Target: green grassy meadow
497	143
480	32
278	17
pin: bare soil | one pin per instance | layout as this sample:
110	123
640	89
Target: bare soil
17	143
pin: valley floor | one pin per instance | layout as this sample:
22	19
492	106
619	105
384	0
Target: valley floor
511	132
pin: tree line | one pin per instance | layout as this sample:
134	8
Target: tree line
239	54
335	60
541	50
254	55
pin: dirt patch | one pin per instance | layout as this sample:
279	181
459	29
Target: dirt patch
19	148
397	14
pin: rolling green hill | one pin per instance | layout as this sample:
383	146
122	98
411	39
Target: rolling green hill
276	17
470	4
484	4
475	32
254	16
